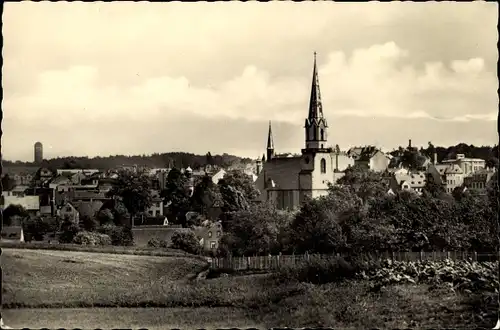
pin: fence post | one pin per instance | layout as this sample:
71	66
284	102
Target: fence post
393	253
475	256
278	260
307	256
448	255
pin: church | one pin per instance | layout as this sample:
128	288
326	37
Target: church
288	180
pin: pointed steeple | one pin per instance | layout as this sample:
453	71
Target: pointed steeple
315	105
315	123
270	143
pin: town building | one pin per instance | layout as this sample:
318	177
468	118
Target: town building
287	181
468	165
479	180
370	158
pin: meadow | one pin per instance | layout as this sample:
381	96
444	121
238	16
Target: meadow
168	286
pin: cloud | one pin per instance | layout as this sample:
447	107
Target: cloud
370	82
139	66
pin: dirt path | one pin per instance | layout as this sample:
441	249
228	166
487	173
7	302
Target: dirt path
108	318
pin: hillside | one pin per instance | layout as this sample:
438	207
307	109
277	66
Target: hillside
59	278
177	159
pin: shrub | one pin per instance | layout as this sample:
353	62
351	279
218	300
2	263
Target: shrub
157	243
90	238
68	231
187	242
316	271
120	236
89	223
35	228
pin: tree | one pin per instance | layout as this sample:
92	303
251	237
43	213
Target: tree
237	191
176	195
68	231
255	231
134	190
13	211
8	183
205	195
366	184
316	227
492	162
36	228
209	159
186	241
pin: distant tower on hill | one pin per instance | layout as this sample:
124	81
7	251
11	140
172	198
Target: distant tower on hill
38	153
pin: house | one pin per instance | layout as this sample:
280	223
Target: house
468	165
370	158
75	171
30	203
479	180
218	175
288	180
407	180
88	208
209	234
454	177
69	211
19	190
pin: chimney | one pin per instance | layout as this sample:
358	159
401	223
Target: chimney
409	144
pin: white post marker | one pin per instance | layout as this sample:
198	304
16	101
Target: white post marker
498	325
3	326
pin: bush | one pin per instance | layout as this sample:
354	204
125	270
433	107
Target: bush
35	228
68	232
316	271
187	242
89	238
89	223
157	243
120	236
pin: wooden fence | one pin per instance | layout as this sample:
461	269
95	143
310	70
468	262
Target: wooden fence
276	261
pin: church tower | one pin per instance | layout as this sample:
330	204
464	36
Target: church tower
270	144
315	125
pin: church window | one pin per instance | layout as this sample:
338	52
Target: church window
322	135
323	165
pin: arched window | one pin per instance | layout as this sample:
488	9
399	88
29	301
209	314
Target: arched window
323	165
322	135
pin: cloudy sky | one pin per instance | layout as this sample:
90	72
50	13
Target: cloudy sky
137	78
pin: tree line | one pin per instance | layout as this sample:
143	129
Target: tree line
156	160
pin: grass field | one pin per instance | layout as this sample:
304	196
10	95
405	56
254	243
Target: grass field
42	278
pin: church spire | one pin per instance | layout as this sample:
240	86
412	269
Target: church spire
315	105
315	123
270	143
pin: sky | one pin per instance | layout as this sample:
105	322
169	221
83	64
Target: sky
89	79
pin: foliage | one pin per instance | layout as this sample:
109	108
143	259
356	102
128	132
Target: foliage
254	231
456	275
8	183
105	216
186	241
157	243
13	211
89	223
316	271
237	191
176	195
156	160
36	228
365	184
316	228
133	190
120	236
68	231
91	238
205	195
